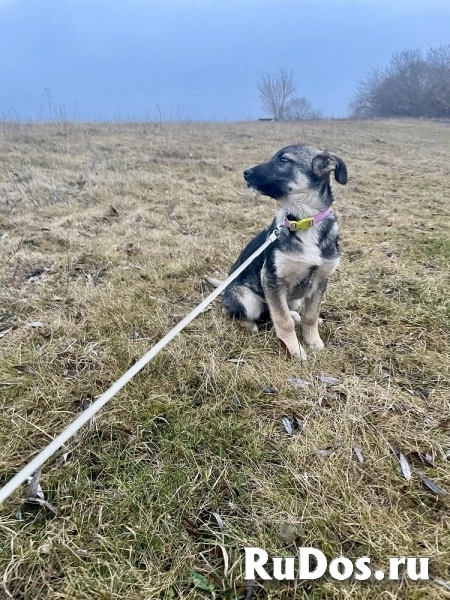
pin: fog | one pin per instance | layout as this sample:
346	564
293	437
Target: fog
105	59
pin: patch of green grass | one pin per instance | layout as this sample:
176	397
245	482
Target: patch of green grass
437	246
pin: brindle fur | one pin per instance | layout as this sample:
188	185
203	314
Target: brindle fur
297	266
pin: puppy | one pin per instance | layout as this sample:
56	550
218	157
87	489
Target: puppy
297	266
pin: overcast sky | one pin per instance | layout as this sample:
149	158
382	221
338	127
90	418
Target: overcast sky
198	59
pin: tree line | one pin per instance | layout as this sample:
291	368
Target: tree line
413	84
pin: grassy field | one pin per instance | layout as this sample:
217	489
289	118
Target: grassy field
106	232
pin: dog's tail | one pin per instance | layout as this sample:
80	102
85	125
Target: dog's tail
214	282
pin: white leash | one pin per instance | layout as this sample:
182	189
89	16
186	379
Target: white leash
93	409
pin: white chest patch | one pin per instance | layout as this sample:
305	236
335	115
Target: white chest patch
294	267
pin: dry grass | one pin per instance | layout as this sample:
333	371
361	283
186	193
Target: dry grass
118	225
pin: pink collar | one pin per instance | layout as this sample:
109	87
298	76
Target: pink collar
306	223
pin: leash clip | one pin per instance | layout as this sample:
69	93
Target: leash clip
277	231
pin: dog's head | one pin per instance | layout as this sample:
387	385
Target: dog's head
298	173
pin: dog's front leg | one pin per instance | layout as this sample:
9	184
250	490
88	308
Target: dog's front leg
283	321
310	321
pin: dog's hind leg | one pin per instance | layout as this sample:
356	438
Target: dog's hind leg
251	325
241	303
294	306
297	318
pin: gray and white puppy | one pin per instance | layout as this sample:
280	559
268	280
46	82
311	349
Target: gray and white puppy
297	266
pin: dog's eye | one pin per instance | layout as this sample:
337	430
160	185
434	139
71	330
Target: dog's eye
283	159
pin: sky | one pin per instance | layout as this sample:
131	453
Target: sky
197	59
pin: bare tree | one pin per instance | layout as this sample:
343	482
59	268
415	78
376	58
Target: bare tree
438	81
394	91
410	86
367	100
276	91
300	109
407	76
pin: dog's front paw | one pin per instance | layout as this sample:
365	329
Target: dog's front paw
295	352
316	344
301	355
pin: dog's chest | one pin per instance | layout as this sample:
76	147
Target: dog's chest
302	270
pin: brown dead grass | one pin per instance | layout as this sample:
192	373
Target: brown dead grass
116	225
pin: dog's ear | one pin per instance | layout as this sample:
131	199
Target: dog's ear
340	172
326	162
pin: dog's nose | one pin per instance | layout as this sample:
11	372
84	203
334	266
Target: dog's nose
247	173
